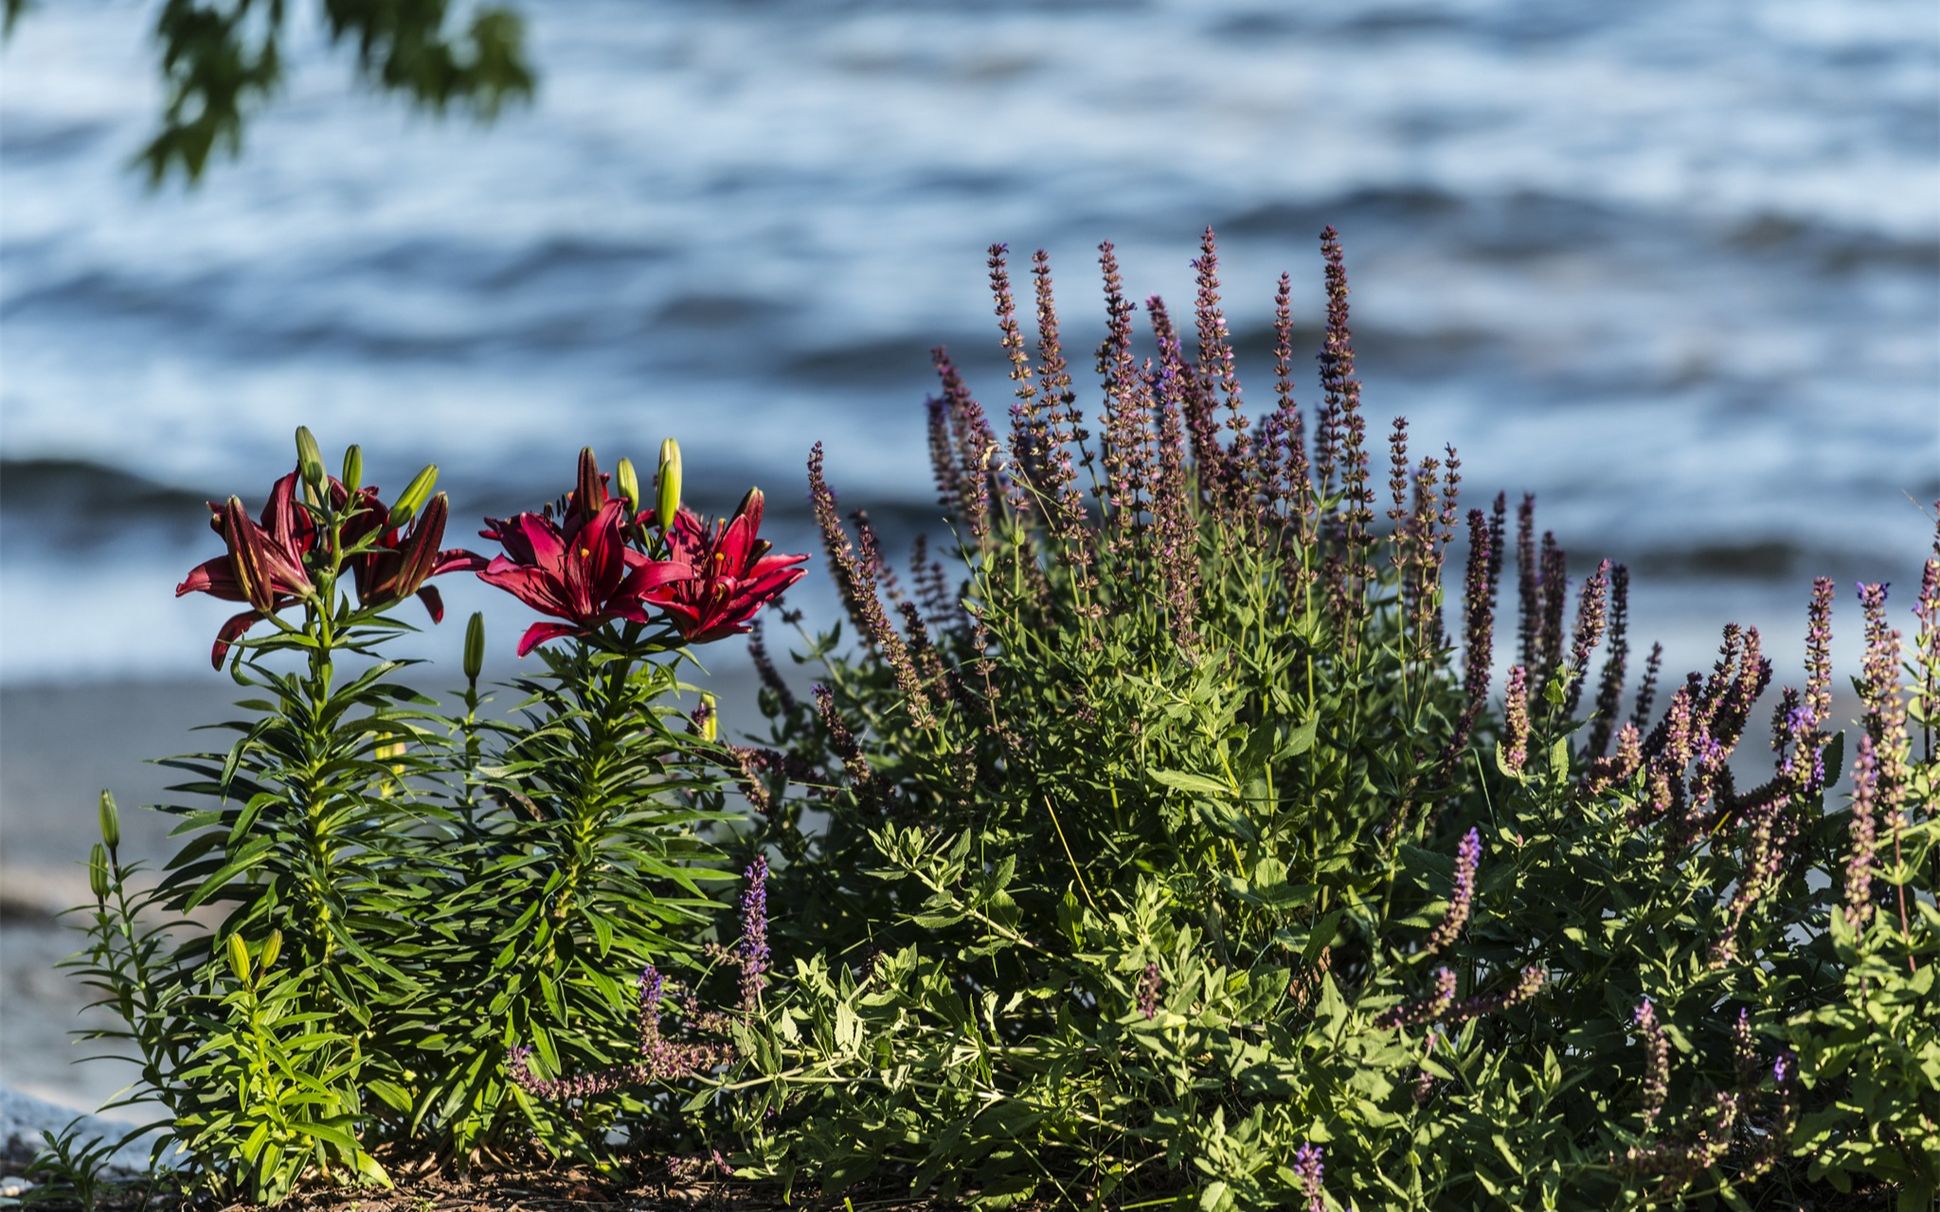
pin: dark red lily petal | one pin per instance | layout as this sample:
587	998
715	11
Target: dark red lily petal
434	603
214	577
528	584
544	546
229	633
457	559
539	633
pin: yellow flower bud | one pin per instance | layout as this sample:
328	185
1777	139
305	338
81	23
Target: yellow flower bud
668	503
110	821
415	494
98	872
239	958
629	481
474	646
309	463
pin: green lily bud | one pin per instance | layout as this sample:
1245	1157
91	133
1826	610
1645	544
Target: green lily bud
710	719
353	476
110	821
629	485
309	462
271	949
239	958
98	872
669	483
474	646
415	494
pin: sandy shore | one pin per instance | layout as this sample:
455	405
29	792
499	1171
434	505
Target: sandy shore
59	746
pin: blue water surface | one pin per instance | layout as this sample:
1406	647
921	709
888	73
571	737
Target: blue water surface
1672	266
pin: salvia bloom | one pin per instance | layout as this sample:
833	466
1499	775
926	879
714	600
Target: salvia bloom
1529	982
1515	720
1308	1167
753	949
660	1059
1149	986
1590	620
1609	694
1460	900
1426	1009
1861	858
1885	703
1657	1061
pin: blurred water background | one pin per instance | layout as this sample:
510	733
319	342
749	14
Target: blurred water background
1674	267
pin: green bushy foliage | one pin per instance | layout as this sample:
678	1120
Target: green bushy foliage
1168	849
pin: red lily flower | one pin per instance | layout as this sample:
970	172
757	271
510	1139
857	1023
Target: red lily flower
582	572
727	573
401	562
266	564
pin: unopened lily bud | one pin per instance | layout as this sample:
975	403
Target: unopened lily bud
239	958
668	503
415	494
751	508
242	556
629	481
589	494
98	872
271	949
110	821
309	462
353	476
419	553
710	719
475	646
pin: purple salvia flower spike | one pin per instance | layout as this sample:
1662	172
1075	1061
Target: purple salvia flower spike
1862	859
1308	1167
1461	897
1657	1062
1515	720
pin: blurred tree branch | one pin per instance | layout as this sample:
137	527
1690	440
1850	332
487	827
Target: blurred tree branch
221	62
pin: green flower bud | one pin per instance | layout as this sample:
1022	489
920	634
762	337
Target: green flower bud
710	719
415	494
353	476
474	646
669	482
629	485
110	821
271	949
239	958
309	461
98	872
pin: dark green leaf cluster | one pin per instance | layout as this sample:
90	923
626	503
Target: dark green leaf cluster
222	60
